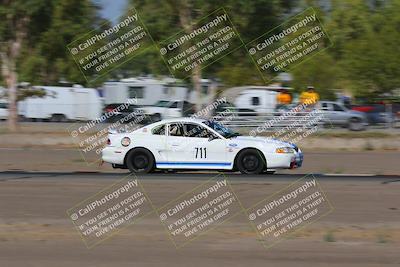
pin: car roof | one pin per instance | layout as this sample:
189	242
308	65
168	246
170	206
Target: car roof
183	119
179	120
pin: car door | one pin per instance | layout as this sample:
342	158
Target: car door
192	146
329	115
174	110
158	143
340	114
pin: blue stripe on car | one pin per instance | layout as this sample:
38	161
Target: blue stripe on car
196	163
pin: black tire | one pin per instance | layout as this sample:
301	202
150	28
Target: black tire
63	118
54	118
250	161
356	124
58	118
22	118
140	160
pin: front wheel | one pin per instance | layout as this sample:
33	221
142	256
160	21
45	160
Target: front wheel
250	162
140	160
356	124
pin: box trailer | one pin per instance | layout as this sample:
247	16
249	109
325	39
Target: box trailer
62	104
144	91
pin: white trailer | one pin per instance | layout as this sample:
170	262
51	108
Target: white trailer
144	91
258	99
62	104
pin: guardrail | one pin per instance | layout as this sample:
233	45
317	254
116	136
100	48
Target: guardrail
269	120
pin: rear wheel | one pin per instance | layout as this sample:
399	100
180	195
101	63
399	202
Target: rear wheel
58	118
140	160
250	161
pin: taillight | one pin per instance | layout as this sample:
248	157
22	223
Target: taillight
109	109
108	141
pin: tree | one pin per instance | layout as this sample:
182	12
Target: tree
252	18
366	48
319	71
34	35
14	28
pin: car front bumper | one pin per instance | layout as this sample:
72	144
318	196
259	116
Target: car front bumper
298	159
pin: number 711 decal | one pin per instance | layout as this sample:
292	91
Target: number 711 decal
201	152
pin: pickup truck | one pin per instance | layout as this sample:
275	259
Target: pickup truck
166	109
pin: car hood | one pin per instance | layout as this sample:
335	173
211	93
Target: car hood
153	109
262	140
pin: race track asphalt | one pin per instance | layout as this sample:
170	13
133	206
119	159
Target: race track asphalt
362	229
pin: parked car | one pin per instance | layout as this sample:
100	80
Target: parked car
376	113
224	107
165	109
124	113
3	110
336	114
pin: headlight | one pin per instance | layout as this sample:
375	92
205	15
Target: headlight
284	150
126	141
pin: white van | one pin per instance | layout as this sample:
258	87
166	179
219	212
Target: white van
260	99
144	91
62	104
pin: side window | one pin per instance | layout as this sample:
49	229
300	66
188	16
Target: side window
324	106
159	130
255	101
176	129
337	107
136	92
174	105
194	130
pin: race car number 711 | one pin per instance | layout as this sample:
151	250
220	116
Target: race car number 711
201	154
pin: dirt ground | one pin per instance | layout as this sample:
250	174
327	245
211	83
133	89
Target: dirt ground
362	230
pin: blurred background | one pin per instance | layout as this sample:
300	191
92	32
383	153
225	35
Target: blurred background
359	72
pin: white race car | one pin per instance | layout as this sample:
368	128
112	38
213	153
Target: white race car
194	144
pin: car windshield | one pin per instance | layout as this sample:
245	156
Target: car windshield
162	103
222	130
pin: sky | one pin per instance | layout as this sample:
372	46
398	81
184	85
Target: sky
111	9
